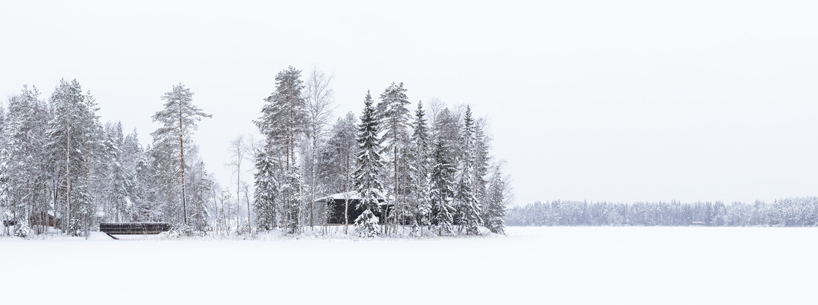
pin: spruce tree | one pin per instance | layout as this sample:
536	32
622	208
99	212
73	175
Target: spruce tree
291	199
117	180
442	189
369	160
481	165
421	187
496	204
266	191
467	207
135	166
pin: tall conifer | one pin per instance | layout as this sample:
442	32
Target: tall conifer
369	160
179	119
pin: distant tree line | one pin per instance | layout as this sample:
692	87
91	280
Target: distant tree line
788	212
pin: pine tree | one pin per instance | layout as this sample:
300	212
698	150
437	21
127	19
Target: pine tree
369	160
283	120
467	206
73	138
284	116
393	112
23	173
179	119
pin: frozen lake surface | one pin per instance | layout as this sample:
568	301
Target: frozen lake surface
532	265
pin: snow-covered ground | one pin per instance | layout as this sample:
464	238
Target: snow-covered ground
532	265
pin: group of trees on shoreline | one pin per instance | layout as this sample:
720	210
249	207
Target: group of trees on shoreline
61	167
438	177
788	212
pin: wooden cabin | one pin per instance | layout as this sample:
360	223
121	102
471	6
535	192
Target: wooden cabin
336	204
46	219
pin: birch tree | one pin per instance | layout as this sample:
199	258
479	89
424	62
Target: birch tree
239	151
337	163
319	100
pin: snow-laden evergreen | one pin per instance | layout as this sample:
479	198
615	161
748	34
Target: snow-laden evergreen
24	177
73	136
291	200
283	121
367	182
394	116
266	192
284	116
442	191
482	160
421	187
496	203
467	206
366	224
179	119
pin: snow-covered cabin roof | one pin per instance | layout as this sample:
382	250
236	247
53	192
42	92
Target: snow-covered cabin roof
353	195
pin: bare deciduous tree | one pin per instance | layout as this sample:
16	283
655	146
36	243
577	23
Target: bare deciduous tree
239	151
319	97
435	106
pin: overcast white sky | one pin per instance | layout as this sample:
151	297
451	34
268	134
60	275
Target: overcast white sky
588	100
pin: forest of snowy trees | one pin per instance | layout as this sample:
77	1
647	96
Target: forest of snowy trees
434	168
61	167
62	170
789	212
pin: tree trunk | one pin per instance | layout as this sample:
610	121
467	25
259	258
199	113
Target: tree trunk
238	187
249	220
346	197
312	189
182	155
67	179
395	203
87	217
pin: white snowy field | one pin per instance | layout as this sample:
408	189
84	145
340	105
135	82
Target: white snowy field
532	265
